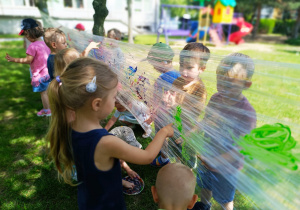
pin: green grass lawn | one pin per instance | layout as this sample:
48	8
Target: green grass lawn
10	36
151	39
28	179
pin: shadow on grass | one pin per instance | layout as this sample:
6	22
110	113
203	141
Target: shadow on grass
27	177
296	52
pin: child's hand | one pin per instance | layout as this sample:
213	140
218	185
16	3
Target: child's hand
94	45
127	184
149	120
9	58
169	130
179	140
132	173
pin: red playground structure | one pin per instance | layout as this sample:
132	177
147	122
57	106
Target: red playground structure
244	29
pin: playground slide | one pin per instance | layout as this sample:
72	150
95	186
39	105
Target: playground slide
193	37
245	28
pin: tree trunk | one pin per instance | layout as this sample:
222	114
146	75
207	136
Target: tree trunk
42	6
100	14
255	29
130	36
253	15
297	25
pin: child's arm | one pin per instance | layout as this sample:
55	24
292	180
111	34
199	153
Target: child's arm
112	147
26	60
92	45
129	171
111	122
152	116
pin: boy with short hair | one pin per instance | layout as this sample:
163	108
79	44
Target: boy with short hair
228	116
114	34
193	59
160	57
174	188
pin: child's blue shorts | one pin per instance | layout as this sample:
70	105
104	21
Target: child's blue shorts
222	190
42	86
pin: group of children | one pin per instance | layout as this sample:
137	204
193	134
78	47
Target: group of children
46	50
84	91
228	116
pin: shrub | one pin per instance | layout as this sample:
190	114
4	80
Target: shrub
266	26
284	27
293	41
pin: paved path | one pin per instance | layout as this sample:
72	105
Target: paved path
10	39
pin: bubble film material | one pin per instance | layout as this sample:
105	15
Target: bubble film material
239	117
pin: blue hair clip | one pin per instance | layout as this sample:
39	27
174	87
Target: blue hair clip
91	87
58	79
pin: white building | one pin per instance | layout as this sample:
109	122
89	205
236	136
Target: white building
145	14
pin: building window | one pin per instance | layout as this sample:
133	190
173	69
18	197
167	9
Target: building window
73	3
148	5
20	2
6	2
137	5
31	3
68	3
79	3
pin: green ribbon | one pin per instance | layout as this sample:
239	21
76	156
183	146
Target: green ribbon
178	123
270	144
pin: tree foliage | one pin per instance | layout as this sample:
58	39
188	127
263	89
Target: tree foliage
179	12
252	8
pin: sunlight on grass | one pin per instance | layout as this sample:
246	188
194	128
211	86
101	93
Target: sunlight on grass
37	160
18	100
22	139
33	175
17	185
29	193
9	205
7	115
20	163
2	174
12	44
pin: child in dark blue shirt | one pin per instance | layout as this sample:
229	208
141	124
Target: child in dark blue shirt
89	88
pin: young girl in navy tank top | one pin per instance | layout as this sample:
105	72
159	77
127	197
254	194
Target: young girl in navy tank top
89	88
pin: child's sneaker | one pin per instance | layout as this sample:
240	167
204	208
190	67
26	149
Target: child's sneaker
157	162
44	112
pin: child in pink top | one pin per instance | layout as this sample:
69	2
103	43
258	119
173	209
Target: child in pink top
37	55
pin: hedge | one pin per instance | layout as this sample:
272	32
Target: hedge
266	26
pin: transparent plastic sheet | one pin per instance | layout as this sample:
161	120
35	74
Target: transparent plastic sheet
263	168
